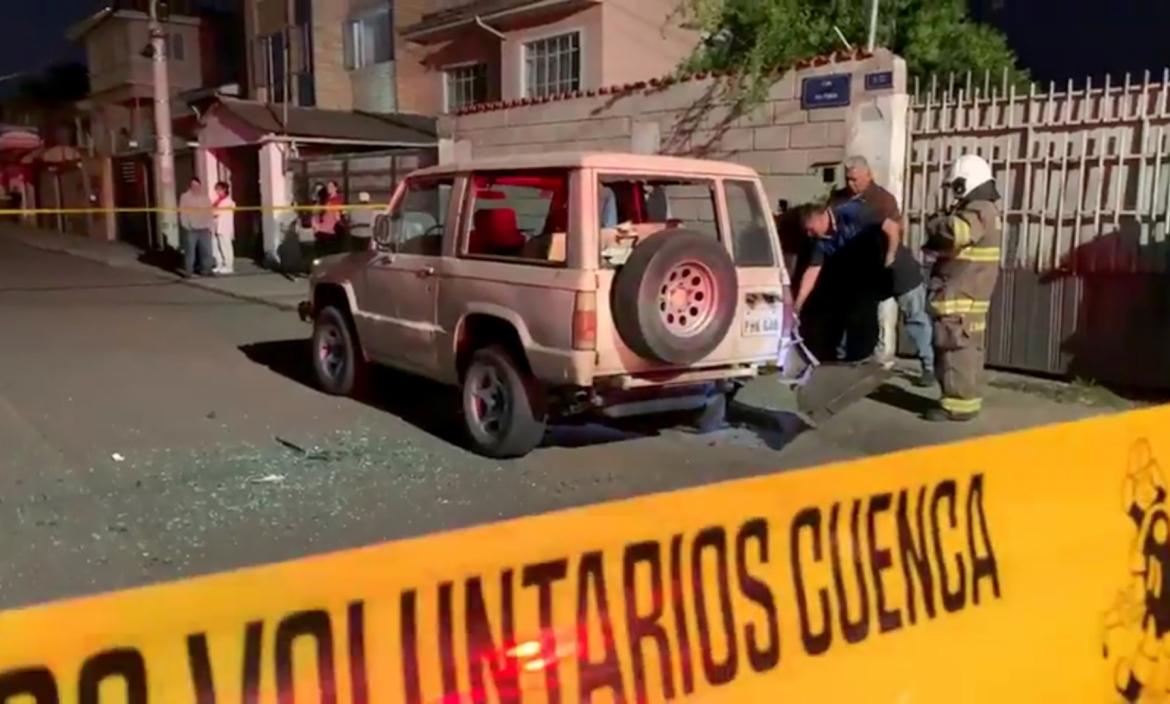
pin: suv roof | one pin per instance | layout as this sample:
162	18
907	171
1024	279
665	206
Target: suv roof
596	160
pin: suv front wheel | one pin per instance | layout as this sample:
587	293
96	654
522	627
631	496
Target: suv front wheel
501	406
337	361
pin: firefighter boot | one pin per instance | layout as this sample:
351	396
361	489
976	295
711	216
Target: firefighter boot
959	374
939	414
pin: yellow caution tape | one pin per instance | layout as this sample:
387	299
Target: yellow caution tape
1029	567
239	208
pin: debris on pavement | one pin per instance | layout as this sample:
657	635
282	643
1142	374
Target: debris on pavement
268	479
291	445
118	457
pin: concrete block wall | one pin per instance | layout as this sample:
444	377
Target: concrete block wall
789	146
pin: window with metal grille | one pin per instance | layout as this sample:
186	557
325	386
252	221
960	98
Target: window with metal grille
369	40
552	65
466	85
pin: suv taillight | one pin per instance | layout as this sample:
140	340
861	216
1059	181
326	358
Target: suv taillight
585	321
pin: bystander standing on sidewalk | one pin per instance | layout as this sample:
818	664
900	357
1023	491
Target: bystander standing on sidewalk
197	220
225	229
328	223
361	223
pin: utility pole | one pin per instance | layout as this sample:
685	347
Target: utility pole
164	153
873	22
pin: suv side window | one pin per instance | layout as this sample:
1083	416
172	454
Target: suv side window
751	240
657	200
518	215
418	222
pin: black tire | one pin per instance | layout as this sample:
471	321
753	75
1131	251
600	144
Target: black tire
338	362
518	425
652	297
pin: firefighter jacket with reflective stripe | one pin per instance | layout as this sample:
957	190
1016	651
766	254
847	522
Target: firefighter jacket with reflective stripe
966	242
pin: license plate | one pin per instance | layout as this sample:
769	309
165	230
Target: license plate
761	321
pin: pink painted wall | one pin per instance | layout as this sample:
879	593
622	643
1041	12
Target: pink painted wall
642	40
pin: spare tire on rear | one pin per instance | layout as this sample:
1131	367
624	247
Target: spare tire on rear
675	298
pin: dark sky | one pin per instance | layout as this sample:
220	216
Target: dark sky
32	32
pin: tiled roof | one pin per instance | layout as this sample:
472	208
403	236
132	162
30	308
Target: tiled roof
656	83
467	10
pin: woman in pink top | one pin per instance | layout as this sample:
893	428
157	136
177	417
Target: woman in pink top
328	226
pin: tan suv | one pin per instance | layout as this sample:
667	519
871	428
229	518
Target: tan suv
557	285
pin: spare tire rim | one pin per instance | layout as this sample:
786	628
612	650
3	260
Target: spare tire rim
489	400
686	298
331	351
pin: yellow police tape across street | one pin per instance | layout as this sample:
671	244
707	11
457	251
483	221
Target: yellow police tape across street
238	208
1031	567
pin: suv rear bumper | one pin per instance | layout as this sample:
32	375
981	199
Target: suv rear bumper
678	378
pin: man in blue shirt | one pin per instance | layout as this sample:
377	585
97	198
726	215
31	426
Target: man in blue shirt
853	246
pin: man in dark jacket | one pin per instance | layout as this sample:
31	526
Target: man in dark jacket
906	288
851	246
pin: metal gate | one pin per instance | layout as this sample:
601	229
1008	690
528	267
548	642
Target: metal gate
133	189
1085	177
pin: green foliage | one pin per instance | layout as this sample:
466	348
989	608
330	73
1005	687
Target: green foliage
753	38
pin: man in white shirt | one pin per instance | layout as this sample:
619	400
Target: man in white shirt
225	229
197	220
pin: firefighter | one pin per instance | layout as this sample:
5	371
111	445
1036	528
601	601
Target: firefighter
965	241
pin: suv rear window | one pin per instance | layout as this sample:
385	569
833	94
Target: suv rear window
751	240
521	215
665	201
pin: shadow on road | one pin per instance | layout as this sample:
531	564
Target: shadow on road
424	404
898	397
427	405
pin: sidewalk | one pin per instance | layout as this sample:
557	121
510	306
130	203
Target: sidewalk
249	283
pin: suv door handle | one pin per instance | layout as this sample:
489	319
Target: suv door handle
425	272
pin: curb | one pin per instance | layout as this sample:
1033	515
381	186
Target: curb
289	307
162	273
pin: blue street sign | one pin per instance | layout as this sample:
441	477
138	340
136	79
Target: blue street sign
825	91
882	80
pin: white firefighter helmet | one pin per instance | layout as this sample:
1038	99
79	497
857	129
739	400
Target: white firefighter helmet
969	172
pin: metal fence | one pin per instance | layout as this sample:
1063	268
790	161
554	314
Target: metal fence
1085	178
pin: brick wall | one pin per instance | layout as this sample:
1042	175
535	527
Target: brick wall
332	82
791	147
420	90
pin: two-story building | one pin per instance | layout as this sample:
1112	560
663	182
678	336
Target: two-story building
487	50
330	54
118	54
433	56
120	127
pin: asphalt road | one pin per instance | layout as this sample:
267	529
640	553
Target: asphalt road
150	430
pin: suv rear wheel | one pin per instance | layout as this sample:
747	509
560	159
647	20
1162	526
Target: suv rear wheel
501	406
675	298
337	359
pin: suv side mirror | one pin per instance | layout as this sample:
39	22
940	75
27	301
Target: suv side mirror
382	232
